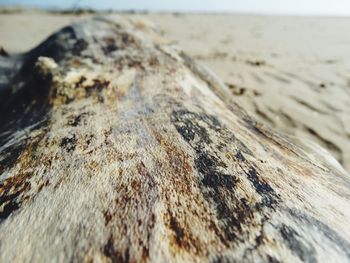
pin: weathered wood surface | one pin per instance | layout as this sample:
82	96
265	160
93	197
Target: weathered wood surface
117	147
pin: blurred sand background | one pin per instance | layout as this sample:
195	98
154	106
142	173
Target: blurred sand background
291	73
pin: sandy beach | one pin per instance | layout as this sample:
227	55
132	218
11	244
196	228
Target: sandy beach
291	73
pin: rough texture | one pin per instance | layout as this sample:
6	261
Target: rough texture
117	147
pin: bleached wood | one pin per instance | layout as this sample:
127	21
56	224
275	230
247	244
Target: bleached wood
117	147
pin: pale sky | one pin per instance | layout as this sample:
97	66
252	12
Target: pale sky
307	7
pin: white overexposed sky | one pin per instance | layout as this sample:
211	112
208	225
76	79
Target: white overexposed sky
300	7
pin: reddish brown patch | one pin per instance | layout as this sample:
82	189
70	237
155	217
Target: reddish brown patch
178	164
153	61
113	254
145	253
13	190
107	216
143	172
46	183
182	237
136	185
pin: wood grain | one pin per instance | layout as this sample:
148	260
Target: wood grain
118	147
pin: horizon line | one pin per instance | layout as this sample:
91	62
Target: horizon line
174	11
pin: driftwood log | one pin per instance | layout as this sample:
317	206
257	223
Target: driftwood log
117	147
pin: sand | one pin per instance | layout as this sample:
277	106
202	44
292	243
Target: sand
291	73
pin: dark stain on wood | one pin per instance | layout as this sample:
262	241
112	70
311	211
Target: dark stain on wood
114	255
69	143
263	188
305	251
177	229
203	132
10	192
10	155
79	46
77	120
183	238
96	88
207	165
218	187
109	45
326	231
240	156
